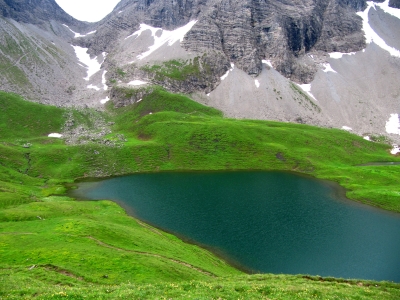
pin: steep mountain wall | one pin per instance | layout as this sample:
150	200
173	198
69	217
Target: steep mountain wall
247	31
38	64
38	12
394	3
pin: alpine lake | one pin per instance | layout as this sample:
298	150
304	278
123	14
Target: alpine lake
263	222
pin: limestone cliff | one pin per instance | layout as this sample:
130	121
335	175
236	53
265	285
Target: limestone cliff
247	31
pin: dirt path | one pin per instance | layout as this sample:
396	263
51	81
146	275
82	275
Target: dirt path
154	255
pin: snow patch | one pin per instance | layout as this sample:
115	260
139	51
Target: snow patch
389	10
167	36
92	65
328	68
257	83
337	55
346	128
307	89
120	11
208	95
367	138
393	125
91	86
371	35
223	77
137	82
395	149
267	62
55	135
78	34
227	72
142	28
104	81
105	100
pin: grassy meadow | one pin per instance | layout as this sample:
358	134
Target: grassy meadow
55	247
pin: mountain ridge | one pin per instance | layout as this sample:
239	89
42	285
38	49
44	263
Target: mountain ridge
273	59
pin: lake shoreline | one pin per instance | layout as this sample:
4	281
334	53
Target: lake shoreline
336	191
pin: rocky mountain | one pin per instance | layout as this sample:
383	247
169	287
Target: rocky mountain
36	57
329	63
247	32
394	3
38	12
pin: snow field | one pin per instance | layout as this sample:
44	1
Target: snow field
166	36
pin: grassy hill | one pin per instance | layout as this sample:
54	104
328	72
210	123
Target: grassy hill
52	246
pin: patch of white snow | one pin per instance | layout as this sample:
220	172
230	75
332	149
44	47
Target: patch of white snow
142	28
395	149
393	125
104	81
91	86
78	34
227	72
169	37
390	10
223	77
346	128
137	82
55	135
93	66
257	83
328	68
371	35
337	55
267	62
367	138
105	100
307	89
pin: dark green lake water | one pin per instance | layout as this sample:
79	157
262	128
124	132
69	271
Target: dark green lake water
269	222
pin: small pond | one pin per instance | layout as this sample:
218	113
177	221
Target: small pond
269	222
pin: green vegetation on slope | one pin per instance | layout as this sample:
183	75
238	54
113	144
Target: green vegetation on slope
22	119
51	283
86	248
178	69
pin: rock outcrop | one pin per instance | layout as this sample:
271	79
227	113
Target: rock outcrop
37	12
394	3
280	31
247	31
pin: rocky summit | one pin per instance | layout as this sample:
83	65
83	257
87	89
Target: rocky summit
331	63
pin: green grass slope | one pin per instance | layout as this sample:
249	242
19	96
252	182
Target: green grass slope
50	283
52	246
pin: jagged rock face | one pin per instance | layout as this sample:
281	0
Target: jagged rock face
246	31
36	12
39	65
36	57
394	3
281	31
128	14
